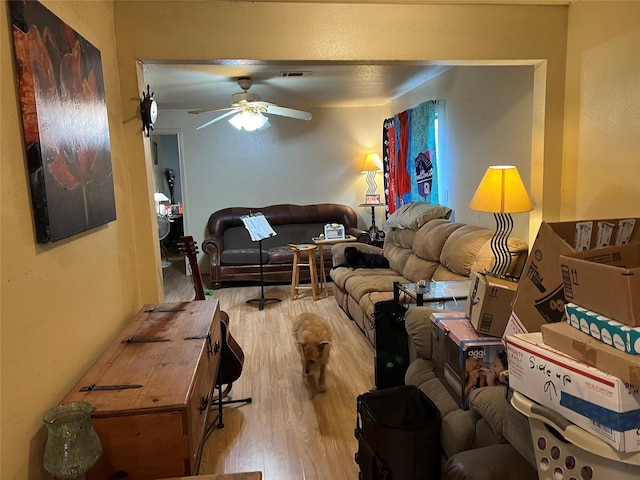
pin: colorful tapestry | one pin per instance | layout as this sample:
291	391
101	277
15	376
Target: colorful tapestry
409	157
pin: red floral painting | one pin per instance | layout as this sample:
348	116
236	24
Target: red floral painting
65	121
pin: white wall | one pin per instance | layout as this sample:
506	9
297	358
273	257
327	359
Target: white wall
291	162
601	165
485	117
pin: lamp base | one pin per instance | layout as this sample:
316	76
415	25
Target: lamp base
375	234
500	245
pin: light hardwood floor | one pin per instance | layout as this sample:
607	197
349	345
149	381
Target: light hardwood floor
286	432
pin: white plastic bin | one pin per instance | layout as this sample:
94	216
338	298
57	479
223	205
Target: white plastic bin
565	451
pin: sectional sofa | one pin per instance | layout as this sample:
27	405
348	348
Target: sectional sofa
421	243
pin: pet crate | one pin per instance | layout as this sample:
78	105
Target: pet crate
564	451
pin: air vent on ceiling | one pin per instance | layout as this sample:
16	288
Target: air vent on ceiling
296	74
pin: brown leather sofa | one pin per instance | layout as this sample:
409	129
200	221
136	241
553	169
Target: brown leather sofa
234	257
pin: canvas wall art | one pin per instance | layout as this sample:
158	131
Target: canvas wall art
65	124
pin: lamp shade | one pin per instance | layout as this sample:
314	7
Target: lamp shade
160	197
501	191
372	163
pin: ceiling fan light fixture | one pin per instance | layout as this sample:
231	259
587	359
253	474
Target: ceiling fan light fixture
249	120
247	111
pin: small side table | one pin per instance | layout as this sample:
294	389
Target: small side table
433	292
320	242
375	234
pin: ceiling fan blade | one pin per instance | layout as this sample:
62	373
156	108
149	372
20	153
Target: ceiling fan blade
265	126
211	110
224	115
289	112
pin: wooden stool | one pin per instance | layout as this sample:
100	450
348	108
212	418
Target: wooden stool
311	263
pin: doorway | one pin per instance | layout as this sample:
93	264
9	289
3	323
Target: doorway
167	179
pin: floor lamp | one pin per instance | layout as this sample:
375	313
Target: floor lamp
372	165
502	193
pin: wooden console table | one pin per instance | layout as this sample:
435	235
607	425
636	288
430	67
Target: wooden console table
152	390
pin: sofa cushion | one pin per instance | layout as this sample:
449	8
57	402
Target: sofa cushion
238	238
489	403
460	250
399	237
489	463
414	215
419	371
429	240
416	268
371	280
458	432
436	391
485	436
485	257
282	254
243	256
342	275
297	232
368	302
337	250
443	274
419	327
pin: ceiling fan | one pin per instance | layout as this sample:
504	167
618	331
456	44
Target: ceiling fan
250	111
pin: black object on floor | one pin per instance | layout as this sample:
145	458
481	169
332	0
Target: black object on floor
398	432
392	348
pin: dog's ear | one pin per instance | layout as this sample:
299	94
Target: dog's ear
321	346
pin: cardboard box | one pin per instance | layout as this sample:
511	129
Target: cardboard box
606	281
604	329
464	358
540	294
587	349
596	401
489	303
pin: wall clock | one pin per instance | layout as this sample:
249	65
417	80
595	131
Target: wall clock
148	111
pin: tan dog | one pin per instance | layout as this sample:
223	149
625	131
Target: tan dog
313	337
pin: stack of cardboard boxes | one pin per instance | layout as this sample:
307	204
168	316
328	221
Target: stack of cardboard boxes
468	351
572	339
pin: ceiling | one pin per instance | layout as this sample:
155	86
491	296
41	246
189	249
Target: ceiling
291	84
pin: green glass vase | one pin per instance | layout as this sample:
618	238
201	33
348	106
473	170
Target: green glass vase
73	446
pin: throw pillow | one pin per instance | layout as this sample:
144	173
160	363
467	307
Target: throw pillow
414	215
